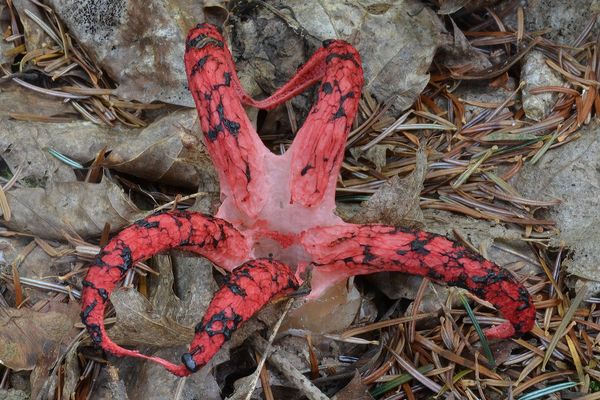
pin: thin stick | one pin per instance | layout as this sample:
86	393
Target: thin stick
265	355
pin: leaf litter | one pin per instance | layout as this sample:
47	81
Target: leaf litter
486	159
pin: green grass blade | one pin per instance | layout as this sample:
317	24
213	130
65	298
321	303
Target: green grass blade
484	343
64	158
548	390
394	383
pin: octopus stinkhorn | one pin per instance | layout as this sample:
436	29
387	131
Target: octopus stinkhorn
276	221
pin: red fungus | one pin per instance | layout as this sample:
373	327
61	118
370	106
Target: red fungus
280	207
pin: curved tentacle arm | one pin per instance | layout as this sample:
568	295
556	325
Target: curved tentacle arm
232	142
236	149
318	149
339	252
311	72
249	288
210	237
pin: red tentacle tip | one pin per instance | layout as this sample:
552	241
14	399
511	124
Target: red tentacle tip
502	331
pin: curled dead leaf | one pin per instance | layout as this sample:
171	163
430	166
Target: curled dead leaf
397	201
164	320
143	57
26	334
269	41
139	324
78	207
354	390
168	150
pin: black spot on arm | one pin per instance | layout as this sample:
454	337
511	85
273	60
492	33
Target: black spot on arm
144	223
305	169
367	255
340	112
86	312
203	40
237	290
226	81
232	126
199	65
327	88
418	246
342	56
213	133
247	172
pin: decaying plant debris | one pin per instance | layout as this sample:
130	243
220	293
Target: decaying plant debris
469	122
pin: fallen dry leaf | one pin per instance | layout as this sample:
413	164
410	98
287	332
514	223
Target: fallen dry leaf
35	36
25	144
460	51
143	56
164	320
69	207
32	263
272	41
354	390
397	201
452	6
138	323
169	150
149	381
570	173
342	300
18	100
26	335
377	154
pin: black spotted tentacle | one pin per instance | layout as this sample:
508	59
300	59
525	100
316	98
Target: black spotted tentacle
339	252
318	149
207	236
247	290
232	142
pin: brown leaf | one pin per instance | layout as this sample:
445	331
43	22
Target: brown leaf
35	264
16	99
24	144
396	41
72	372
570	173
354	390
452	6
4	45
150	381
195	286
138	323
342	300
377	154
69	207
168	150
460	52
164	320
26	335
397	201
144	57
35	36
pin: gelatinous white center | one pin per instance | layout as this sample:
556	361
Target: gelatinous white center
274	231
